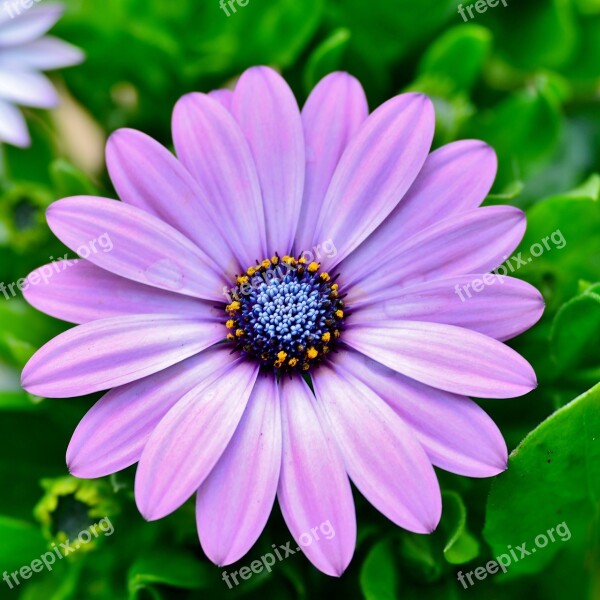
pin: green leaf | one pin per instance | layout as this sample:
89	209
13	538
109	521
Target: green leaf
378	574
461	547
457	56
326	58
551	489
576	330
21	543
174	568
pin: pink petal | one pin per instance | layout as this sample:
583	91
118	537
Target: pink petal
78	292
455	178
476	241
503	307
314	491
223	96
332	115
383	458
446	357
375	171
113	433
144	249
147	175
234	502
213	149
268	114
190	439
456	433
111	352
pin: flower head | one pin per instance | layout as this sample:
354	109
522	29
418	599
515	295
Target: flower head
25	51
276	314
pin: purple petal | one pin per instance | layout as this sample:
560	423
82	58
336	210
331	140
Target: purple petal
190	439
446	357
377	168
383	458
332	115
44	54
137	246
234	502
268	114
223	96
456	433
78	292
145	174
314	490
455	178
28	24
213	149
113	433
27	88
476	241
111	352
13	128
502	308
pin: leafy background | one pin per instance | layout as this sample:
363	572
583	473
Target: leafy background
525	78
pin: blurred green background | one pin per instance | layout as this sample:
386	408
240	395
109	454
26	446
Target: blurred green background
525	78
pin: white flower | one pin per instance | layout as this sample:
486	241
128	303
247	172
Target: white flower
25	51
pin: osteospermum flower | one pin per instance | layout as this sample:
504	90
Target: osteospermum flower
25	51
277	314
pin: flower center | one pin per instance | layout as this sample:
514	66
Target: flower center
285	313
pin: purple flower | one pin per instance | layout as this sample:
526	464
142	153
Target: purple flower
24	53
219	296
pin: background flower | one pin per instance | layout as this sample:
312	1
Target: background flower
26	51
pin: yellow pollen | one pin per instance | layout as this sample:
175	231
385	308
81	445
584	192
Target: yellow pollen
233	306
242	279
277	364
250	271
230	337
312	353
305	367
266	263
302	260
326	337
239	332
313	267
230	324
339	314
325	276
293	362
336	334
334	286
275	259
281	356
325	349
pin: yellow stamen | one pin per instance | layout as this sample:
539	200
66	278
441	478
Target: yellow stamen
233	306
325	349
334	286
303	260
293	362
277	364
266	263
305	367
230	324
326	337
239	332
313	267
275	259
242	279
339	314
336	334
250	271
325	276
312	353
281	356
230	337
